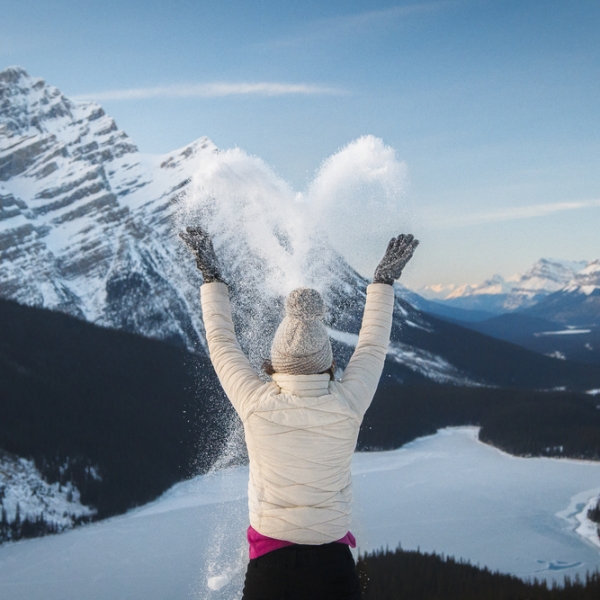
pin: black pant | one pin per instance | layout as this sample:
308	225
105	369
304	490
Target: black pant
301	572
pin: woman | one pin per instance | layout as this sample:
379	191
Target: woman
301	428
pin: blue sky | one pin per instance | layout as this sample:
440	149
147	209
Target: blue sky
492	104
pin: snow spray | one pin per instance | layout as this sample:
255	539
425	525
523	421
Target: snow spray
269	240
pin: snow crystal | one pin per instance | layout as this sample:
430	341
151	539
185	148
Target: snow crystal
218	582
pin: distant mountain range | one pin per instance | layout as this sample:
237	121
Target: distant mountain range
577	304
554	308
497	295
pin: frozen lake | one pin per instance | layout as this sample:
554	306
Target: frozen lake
447	492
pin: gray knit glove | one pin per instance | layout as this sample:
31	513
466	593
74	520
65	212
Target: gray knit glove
398	253
200	245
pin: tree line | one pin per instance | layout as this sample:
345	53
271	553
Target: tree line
593	514
120	416
30	527
394	574
521	422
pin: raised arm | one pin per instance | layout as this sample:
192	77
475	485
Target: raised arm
233	369
362	374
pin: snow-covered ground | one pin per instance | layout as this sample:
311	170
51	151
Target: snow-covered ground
25	492
446	492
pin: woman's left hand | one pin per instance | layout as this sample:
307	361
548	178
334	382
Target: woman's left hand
199	243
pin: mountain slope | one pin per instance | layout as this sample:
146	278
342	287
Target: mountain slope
486	359
543	336
120	416
84	217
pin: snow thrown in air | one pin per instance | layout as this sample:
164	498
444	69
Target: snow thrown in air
356	202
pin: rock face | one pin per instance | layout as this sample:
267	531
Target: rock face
85	217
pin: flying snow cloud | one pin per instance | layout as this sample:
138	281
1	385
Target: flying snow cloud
358	197
354	205
270	239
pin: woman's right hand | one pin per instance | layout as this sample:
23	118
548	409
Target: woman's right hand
398	253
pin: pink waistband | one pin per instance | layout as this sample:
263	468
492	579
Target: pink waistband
261	544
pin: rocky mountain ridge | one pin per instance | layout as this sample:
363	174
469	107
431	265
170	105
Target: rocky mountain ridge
575	305
85	218
498	295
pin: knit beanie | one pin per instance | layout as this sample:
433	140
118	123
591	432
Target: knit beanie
301	344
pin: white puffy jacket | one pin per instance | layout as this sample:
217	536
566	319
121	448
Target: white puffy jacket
300	430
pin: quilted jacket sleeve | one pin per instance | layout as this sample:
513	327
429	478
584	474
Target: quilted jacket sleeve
362	374
239	380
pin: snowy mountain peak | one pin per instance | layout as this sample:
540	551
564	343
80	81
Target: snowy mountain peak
28	103
587	281
495	285
39	125
437	291
591	270
84	215
12	73
549	275
545	276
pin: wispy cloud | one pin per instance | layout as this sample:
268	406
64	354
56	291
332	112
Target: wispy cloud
213	90
333	27
375	17
508	214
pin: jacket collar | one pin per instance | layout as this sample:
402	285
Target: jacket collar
312	386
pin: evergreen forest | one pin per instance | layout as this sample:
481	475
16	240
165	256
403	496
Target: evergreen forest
415	575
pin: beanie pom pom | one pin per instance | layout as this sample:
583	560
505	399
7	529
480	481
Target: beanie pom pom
305	304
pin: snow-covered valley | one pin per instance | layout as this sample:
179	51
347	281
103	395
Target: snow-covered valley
447	492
